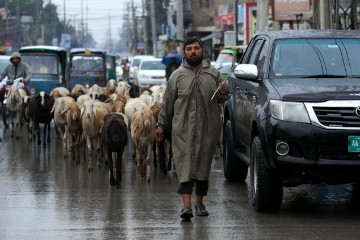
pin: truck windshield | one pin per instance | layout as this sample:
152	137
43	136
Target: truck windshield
315	57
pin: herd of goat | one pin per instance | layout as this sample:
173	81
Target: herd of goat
98	118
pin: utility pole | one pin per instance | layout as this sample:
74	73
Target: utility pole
262	15
235	21
324	7
337	15
82	23
135	25
18	23
146	47
153	28
64	12
180	23
7	17
354	25
110	40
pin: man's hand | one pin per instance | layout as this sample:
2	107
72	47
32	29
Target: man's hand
224	88
25	81
159	134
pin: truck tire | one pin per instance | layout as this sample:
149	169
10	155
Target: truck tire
266	184
234	169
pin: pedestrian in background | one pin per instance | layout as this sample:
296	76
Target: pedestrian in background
171	68
193	118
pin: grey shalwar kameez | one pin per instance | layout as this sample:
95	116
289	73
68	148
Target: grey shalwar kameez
193	118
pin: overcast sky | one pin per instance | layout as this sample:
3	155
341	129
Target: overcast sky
100	14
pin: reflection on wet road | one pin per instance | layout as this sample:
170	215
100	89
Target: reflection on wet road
44	196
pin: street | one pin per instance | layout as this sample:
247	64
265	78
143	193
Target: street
44	196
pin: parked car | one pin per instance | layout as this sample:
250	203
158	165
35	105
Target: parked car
134	66
230	54
4	61
151	72
294	116
226	69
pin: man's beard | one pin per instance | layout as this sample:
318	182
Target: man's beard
194	62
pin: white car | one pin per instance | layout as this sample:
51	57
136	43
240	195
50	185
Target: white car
151	72
4	61
135	66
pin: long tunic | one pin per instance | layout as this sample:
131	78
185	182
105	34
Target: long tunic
193	119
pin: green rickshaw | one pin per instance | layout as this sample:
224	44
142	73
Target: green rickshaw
48	65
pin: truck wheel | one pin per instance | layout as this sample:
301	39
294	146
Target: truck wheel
234	168
266	184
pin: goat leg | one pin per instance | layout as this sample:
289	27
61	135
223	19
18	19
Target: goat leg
111	167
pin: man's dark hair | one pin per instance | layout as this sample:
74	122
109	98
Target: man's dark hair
192	40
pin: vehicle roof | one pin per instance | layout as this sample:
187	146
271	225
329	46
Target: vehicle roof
241	47
151	59
143	56
40	48
312	33
82	50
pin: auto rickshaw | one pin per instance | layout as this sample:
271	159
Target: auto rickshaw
48	65
87	67
110	67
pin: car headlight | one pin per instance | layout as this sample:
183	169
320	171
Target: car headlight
143	76
289	111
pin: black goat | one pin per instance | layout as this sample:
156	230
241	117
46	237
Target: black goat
40	112
114	134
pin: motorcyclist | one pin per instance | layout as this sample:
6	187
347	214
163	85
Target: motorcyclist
16	69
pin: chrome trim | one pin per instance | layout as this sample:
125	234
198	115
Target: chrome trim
333	103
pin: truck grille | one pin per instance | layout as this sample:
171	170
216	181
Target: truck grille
337	116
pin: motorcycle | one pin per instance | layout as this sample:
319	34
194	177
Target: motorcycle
18	82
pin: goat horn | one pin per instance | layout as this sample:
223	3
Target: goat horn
64	111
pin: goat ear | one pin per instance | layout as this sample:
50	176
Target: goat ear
54	106
125	119
113	107
94	110
82	111
64	111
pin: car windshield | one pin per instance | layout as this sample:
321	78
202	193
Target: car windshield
152	65
135	62
42	64
316	57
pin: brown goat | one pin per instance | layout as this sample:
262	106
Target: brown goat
143	129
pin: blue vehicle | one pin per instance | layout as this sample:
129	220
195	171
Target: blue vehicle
48	65
87	67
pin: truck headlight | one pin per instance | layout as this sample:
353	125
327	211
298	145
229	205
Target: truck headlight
289	111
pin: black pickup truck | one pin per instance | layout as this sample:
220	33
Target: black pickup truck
294	116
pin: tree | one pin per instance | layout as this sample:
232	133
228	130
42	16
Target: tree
46	24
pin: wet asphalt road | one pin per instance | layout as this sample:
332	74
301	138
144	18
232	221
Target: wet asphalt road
43	196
